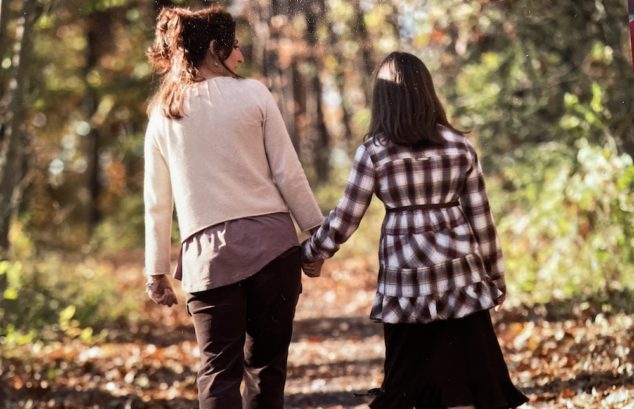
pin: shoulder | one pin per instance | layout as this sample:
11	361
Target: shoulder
368	147
258	93
457	141
249	86
368	151
155	122
381	150
367	144
452	137
376	143
253	85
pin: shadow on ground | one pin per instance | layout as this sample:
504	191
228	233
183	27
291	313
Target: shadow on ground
610	302
326	399
354	328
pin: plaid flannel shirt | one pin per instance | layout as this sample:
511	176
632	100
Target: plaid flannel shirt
434	263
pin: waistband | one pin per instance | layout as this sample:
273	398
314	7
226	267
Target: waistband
427	206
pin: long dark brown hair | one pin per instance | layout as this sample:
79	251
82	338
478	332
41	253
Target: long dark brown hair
405	107
181	42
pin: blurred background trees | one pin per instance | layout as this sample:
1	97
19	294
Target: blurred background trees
545	88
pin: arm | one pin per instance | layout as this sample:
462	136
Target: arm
159	206
286	170
475	203
344	219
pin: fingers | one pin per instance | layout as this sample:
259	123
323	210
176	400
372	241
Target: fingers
167	298
313	269
160	291
312	272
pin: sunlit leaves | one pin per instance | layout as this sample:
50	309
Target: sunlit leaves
13	273
545	51
569	228
90	6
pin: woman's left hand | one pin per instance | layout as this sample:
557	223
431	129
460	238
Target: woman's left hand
313	269
160	290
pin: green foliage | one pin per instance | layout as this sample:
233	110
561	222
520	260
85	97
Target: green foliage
51	295
123	229
14	282
568	225
519	65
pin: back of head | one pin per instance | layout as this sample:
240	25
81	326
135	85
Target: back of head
181	43
405	107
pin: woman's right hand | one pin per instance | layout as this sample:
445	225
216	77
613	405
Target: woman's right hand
160	290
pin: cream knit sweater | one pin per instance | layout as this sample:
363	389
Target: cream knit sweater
229	157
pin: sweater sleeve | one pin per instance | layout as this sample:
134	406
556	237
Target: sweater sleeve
475	203
159	205
286	170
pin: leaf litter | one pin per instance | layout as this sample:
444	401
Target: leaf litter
584	359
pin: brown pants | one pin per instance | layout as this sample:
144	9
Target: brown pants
243	332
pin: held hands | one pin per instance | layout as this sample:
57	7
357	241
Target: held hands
313	268
160	290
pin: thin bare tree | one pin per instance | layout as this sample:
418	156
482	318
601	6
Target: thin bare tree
13	110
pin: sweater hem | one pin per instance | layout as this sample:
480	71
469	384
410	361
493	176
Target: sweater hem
209	284
197	229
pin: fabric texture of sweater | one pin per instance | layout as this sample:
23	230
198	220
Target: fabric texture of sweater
230	157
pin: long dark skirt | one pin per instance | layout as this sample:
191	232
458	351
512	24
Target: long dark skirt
446	363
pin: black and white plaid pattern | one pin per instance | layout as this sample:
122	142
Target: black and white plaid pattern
434	263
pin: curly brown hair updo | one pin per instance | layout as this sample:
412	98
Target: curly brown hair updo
181	43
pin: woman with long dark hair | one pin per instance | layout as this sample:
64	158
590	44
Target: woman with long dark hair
217	149
440	264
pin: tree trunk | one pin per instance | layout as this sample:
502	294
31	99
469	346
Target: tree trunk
12	114
4	19
322	146
392	21
98	32
340	81
299	109
366	50
259	20
614	37
287	77
266	53
314	12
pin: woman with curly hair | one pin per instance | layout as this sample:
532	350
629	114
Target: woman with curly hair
217	149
